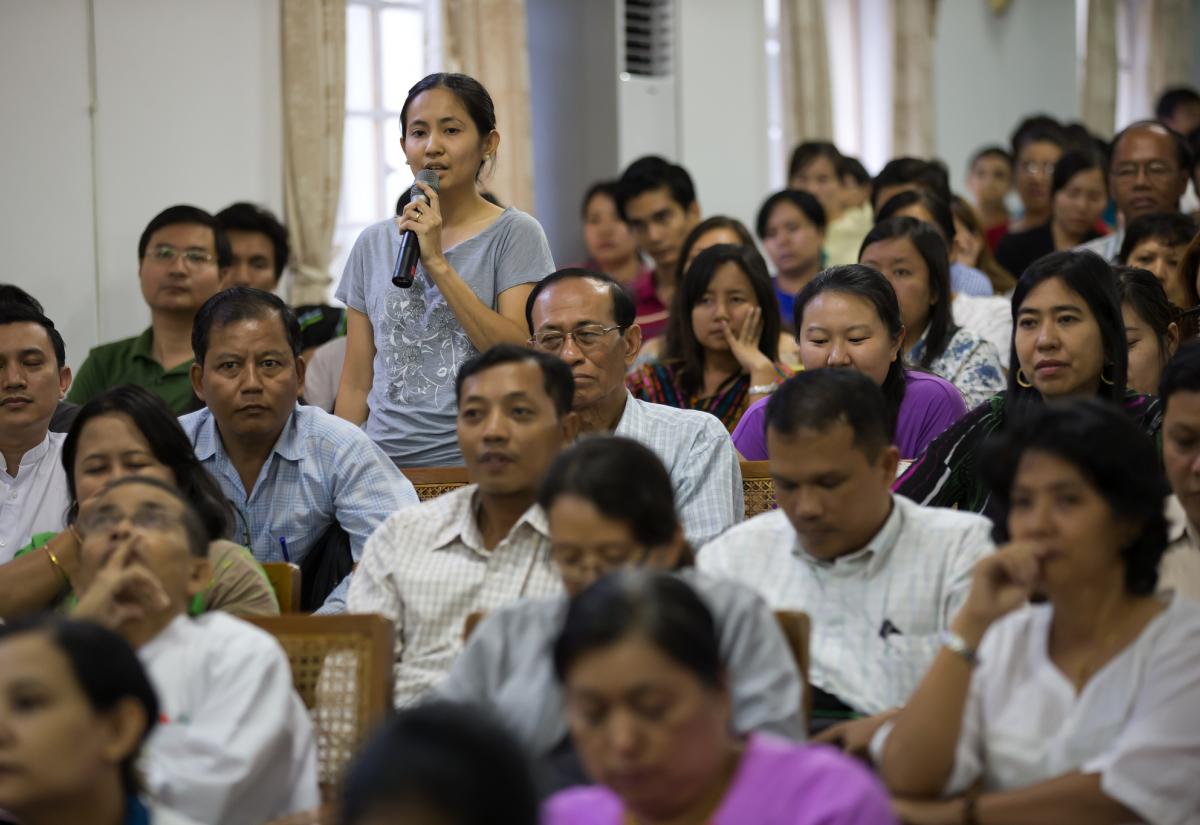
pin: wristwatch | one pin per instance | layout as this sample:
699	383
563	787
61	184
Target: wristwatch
958	646
763	389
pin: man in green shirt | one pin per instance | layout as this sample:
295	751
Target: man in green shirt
181	255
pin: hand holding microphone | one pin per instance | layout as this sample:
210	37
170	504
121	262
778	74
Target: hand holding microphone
421	218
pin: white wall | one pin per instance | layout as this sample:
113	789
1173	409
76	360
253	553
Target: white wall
186	111
990	71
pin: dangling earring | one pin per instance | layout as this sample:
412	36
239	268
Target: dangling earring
1105	378
1022	381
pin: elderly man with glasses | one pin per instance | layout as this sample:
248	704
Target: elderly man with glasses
181	255
587	319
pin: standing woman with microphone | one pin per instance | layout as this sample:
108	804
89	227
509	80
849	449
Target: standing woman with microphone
478	263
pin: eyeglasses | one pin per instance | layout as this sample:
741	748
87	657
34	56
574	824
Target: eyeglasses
166	254
586	338
1031	167
1154	170
106	519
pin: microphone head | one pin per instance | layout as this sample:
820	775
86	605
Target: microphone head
429	178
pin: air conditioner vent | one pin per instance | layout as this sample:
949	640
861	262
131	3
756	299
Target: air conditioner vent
648	33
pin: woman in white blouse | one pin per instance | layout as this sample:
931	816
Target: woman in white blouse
1085	707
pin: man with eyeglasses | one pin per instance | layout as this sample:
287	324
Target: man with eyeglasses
587	319
234	742
181	255
1147	174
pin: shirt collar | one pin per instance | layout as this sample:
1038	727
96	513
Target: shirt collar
630	416
918	349
873	555
461	522
36	454
208	441
1179	528
143	346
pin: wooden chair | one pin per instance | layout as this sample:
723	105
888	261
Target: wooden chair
285	581
432	482
796	628
342	669
758	490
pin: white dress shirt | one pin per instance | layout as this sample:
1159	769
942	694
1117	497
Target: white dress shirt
426	569
234	744
1180	566
877	614
699	456
36	500
1135	722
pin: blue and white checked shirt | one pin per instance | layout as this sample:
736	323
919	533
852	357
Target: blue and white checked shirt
913	575
699	456
322	469
969	280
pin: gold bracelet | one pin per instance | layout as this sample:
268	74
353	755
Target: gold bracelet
57	566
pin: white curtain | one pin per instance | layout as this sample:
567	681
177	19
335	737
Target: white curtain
1098	90
804	60
314	115
912	86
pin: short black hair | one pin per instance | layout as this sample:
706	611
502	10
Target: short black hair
850	167
1172	98
1036	129
106	667
13	294
607	188
1181	374
183	213
653	172
454	759
660	607
811	150
556	375
1183	152
1126	472
246	217
623	479
1169	228
991	151
930	175
193	525
1071	164
169	445
14	313
818	399
623	309
241	303
938	208
806	202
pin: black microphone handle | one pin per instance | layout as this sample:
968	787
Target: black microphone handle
406	261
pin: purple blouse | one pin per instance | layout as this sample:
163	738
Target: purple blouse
777	783
930	405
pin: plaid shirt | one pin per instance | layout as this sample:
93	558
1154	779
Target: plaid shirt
427	570
699	456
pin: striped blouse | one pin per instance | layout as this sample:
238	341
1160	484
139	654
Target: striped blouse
659	383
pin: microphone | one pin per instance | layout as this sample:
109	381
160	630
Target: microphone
410	249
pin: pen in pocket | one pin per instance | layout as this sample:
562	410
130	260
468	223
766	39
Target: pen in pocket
283	546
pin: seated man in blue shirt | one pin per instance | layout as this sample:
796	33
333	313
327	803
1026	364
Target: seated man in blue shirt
290	472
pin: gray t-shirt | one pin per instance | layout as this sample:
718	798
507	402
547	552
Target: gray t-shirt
419	343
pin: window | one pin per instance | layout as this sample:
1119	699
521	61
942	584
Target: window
390	45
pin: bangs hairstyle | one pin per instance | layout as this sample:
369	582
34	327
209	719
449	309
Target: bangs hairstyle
805	153
682	344
1074	163
247	217
808	205
932	249
1126	473
1036	129
624	480
557	380
659	607
624	311
168	443
1144	294
1088	275
22	313
652	172
454	760
184	214
603	188
703	228
937	207
868	285
106	668
1168	228
242	303
469	92
927	175
818	399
